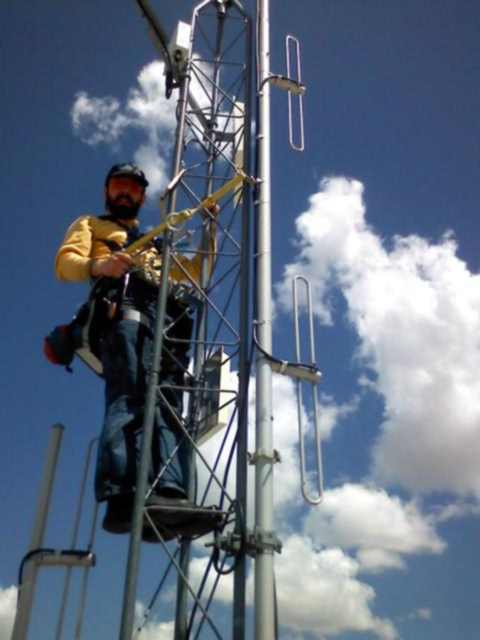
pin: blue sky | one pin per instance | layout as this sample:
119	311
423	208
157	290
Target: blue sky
380	212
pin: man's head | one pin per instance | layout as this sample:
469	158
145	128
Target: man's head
125	186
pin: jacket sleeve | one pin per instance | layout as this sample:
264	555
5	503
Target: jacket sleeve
72	262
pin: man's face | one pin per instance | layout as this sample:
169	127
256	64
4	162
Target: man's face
124	196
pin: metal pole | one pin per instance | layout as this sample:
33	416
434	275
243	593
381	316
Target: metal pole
133	562
27	588
73	542
128	611
240	576
264	583
181	605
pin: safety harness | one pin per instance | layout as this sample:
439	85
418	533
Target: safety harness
83	335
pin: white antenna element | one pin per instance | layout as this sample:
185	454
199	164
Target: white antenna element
311	499
294	87
292	45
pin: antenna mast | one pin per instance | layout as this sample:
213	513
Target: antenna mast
264	454
210	62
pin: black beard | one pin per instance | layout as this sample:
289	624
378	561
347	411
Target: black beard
122	211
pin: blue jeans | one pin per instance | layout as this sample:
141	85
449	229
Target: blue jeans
126	356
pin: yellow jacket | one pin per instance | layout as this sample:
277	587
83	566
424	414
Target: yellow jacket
88	238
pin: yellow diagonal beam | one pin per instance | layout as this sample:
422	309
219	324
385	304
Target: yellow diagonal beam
176	218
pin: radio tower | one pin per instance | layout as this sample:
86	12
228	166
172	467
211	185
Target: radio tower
209	61
213	67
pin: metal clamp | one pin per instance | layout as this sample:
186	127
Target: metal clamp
231	543
256	542
260	541
262	454
298	372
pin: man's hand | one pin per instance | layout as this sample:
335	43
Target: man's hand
115	266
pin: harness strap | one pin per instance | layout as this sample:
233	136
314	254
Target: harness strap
134	316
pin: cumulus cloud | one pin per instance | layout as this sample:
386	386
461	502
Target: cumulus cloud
325	597
379	560
416	309
106	120
8	605
97	120
333	600
380	527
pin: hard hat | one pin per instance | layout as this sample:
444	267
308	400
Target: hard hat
127	169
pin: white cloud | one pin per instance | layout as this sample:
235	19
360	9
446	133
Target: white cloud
8	605
153	629
97	120
330	413
224	588
379	560
325	597
149	108
332	600
416	310
105	120
424	614
455	510
421	614
381	527
154	166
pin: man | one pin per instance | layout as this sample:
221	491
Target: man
92	249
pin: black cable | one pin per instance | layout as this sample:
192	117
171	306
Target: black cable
236	554
162	38
158	31
27	557
299	365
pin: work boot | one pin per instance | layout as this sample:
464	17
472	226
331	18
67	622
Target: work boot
180	518
168	510
202	521
118	516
